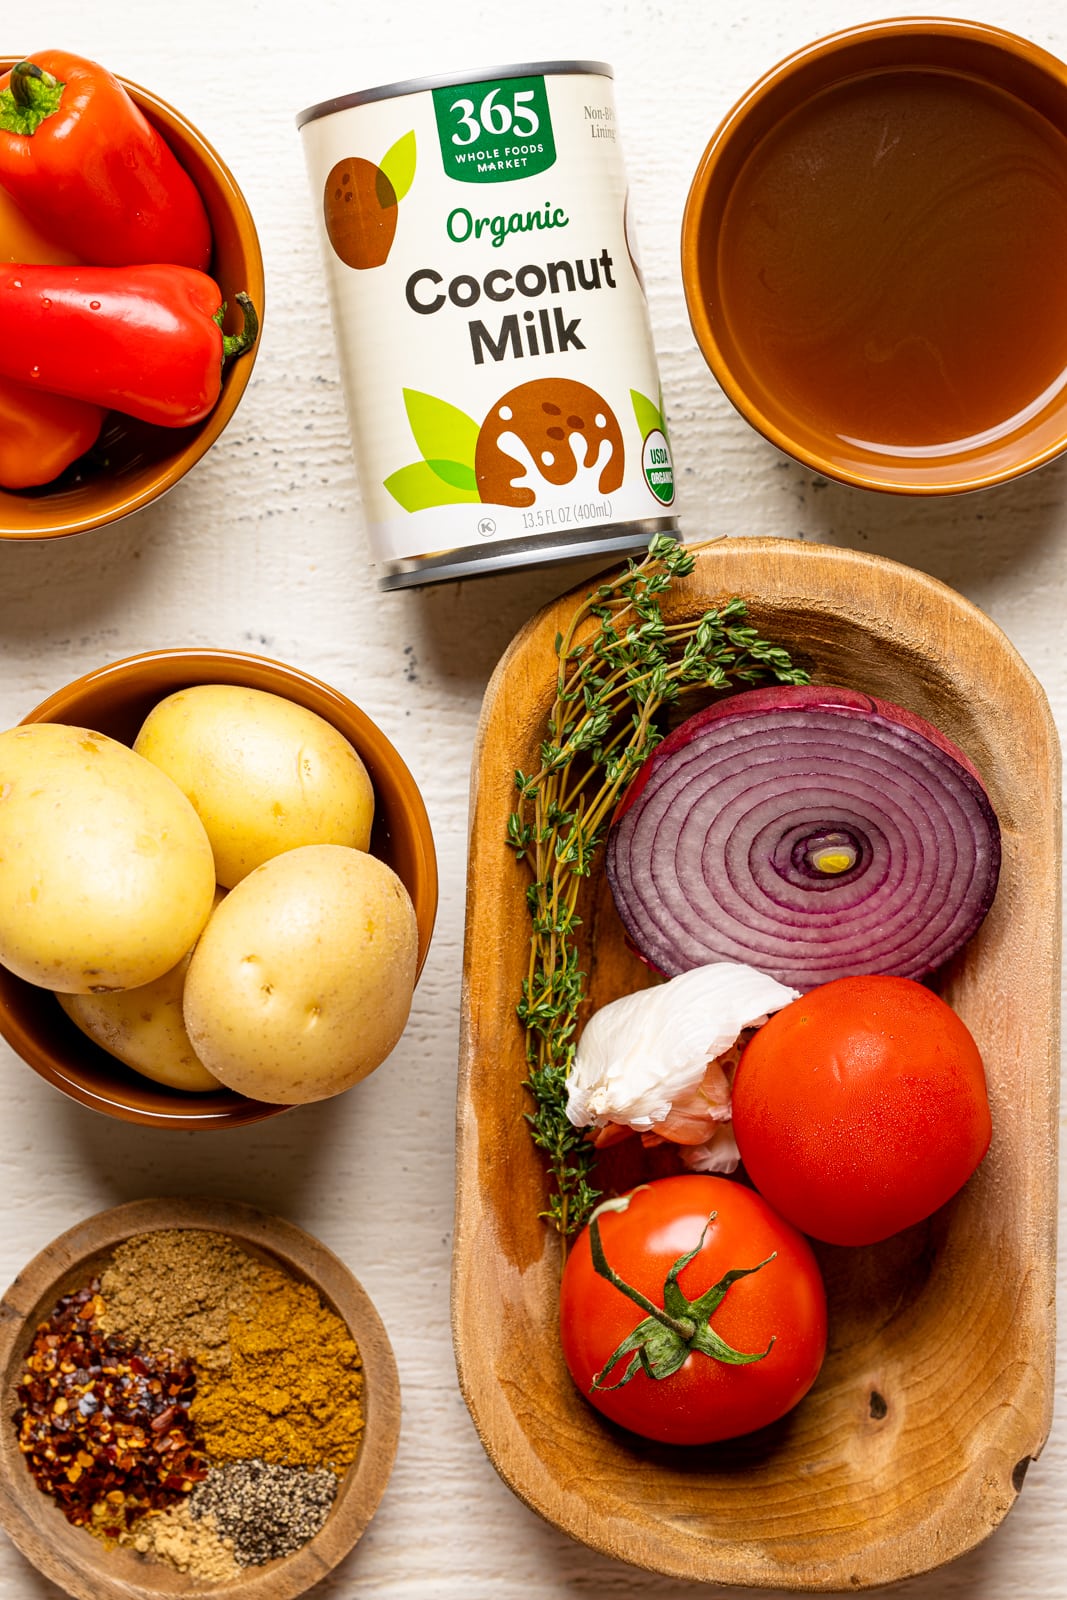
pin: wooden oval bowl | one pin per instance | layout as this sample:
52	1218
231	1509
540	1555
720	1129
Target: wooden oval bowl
115	699
937	1386
133	463
81	1564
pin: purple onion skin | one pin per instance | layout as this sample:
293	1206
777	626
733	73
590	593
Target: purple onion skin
719	849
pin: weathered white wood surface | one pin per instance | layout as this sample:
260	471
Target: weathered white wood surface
261	549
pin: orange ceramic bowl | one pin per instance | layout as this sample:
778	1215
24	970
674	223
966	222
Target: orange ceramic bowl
133	463
115	700
872	256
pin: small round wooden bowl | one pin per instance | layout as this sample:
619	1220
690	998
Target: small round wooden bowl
133	462
77	1561
115	700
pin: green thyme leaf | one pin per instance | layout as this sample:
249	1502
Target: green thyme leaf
620	665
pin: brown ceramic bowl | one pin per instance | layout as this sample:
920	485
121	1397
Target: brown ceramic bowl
73	1558
133	462
115	700
872	256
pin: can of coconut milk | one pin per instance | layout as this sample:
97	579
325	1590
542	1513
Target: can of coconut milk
496	353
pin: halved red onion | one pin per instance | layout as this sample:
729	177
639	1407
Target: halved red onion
813	833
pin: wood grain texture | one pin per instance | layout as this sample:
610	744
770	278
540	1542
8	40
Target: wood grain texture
73	1558
937	1388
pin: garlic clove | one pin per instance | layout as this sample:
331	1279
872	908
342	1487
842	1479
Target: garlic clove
644	1059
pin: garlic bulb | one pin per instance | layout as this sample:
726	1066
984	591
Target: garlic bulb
653	1061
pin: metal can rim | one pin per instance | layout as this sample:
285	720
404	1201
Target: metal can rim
444	80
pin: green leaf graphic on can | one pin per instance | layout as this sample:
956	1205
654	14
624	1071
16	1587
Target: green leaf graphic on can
447	438
656	462
422	486
439	429
360	200
398	163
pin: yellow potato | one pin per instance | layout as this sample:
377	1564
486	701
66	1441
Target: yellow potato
106	876
145	1029
264	774
302	981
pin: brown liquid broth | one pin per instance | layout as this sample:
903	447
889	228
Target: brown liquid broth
893	261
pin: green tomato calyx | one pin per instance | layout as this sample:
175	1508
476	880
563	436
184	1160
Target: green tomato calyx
662	1342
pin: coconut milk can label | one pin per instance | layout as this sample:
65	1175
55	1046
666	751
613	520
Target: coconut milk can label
497	356
495	131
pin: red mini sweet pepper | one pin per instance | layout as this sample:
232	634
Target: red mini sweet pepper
88	167
145	340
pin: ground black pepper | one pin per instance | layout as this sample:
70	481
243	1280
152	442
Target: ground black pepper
267	1510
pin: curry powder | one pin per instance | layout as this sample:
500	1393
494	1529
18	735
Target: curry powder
293	1391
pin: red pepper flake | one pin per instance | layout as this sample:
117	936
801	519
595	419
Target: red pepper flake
105	1428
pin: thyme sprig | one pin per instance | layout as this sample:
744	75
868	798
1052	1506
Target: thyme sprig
620	664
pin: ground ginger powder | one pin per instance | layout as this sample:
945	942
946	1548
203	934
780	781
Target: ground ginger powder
180	1540
292	1394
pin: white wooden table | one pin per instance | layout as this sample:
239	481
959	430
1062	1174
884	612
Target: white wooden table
261	548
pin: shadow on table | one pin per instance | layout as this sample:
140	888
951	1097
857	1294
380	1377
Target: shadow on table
968	541
102	575
255	1164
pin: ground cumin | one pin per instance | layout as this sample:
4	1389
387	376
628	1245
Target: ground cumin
292	1393
177	1290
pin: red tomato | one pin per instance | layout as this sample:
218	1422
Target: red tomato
860	1108
705	1399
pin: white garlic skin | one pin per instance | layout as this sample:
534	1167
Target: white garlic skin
641	1053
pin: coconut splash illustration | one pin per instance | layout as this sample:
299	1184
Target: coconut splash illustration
551	431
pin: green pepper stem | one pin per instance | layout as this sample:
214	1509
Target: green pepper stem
32	95
235	344
23	75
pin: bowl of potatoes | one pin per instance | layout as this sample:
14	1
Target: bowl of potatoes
219	889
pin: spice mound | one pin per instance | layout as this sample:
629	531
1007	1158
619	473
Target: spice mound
193	1403
104	1426
264	1510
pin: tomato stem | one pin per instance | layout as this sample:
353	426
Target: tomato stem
661	1344
684	1327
